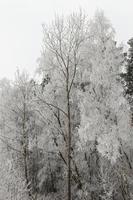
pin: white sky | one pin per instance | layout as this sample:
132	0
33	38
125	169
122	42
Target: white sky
21	30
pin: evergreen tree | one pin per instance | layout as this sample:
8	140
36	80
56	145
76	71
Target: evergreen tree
127	77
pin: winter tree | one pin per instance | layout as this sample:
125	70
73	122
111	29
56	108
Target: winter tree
105	114
60	61
68	135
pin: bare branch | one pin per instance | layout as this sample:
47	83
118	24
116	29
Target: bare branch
54	106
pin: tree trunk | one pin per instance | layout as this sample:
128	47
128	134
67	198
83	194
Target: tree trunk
69	136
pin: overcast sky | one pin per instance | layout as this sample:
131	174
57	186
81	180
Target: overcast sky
21	30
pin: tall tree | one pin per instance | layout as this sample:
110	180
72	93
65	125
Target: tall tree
61	60
19	126
105	116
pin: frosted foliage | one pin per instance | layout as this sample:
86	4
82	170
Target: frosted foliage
104	111
68	135
12	186
100	25
108	145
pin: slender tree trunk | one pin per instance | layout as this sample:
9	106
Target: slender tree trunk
25	145
69	152
69	136
25	151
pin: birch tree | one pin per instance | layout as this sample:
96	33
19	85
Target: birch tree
105	114
19	127
60	61
103	106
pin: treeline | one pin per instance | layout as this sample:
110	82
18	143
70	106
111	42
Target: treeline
68	134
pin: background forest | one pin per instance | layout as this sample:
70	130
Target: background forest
67	133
